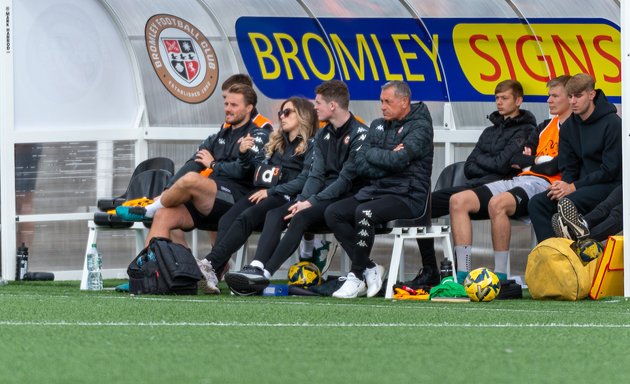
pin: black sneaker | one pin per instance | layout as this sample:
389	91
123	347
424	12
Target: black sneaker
572	218
248	281
427	276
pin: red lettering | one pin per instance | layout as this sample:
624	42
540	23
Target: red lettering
597	44
519	52
497	68
508	59
561	46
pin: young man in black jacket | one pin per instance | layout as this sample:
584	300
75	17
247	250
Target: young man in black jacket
332	176
198	200
589	157
397	159
489	161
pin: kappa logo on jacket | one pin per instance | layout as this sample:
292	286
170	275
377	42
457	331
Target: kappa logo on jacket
327	137
361	129
380	128
222	141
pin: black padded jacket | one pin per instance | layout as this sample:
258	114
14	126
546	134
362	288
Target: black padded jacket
406	173
491	158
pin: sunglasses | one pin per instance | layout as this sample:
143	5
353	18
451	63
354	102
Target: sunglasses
285	112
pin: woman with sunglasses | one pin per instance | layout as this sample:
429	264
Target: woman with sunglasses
280	171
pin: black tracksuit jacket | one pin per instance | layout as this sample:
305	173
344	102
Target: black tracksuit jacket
333	172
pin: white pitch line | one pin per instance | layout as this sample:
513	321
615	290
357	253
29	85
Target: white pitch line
308	325
333	303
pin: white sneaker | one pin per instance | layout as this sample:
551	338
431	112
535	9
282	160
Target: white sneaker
374	279
351	288
209	283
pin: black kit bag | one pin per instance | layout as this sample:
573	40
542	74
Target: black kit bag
164	267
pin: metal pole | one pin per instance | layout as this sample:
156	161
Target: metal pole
625	112
7	159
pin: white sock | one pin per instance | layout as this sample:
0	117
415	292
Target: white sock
463	252
152	208
267	274
257	263
501	261
306	249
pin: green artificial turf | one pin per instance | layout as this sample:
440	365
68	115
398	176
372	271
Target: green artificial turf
51	332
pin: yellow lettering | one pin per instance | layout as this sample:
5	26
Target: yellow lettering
431	53
363	49
388	76
331	63
289	55
265	54
404	56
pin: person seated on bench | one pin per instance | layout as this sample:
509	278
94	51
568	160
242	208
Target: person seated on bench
177	235
605	220
590	156
332	176
489	161
397	159
505	199
289	152
196	200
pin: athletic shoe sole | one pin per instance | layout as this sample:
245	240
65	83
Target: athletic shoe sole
559	227
572	218
132	213
207	289
244	284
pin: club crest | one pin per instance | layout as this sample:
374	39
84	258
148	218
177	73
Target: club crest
182	57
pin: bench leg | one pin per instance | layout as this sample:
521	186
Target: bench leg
394	264
448	251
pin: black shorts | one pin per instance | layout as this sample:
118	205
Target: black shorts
484	195
227	194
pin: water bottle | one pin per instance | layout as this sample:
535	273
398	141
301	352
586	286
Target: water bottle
21	262
276	290
446	269
94	262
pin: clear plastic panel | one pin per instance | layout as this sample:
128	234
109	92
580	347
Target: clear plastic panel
356	8
227	16
462	8
71	66
134	14
607	9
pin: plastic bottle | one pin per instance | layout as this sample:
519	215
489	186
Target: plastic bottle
21	262
446	269
94	262
276	290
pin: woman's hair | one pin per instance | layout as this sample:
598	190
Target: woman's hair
308	125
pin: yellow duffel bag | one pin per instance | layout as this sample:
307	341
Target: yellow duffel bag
555	272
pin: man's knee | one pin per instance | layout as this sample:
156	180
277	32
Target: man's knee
173	218
497	206
463	202
537	202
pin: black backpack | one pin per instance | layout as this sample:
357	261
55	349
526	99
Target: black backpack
164	267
